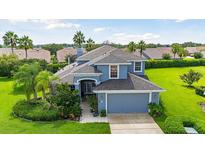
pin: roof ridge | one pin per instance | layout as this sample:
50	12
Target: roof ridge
92	51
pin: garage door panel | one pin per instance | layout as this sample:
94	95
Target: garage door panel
127	103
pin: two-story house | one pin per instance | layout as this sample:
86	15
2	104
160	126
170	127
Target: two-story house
115	76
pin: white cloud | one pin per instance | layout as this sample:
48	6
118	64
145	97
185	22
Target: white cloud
180	20
49	23
125	38
99	29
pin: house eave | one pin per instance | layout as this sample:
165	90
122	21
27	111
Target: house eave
127	91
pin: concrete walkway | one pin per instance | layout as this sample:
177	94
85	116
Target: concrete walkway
87	116
133	124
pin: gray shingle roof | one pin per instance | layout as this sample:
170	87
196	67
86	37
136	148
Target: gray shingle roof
95	53
133	82
119	56
88	69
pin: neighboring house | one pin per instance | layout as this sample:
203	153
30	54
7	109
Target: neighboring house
63	54
192	50
35	53
115	76
156	53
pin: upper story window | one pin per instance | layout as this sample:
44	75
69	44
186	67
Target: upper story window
137	66
114	71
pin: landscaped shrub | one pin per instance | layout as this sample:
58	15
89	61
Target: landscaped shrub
155	110
55	67
92	101
200	91
36	111
43	64
176	124
166	56
103	113
68	101
198	55
8	65
174	63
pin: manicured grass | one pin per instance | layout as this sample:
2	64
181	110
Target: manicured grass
11	125
178	100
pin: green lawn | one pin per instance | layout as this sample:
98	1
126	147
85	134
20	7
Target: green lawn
12	125
178	99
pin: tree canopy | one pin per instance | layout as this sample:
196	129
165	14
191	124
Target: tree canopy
25	43
79	39
10	39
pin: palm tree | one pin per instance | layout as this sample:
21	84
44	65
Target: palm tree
10	39
175	48
182	52
132	46
26	76
25	43
44	79
90	44
142	46
79	39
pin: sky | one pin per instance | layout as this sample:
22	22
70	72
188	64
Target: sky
43	31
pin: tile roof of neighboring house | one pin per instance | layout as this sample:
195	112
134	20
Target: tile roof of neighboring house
63	53
133	82
95	53
156	53
35	53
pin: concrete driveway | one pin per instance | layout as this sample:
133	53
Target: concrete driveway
140	123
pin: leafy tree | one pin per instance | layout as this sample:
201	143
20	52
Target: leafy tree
53	48
182	52
10	39
142	46
132	47
1	46
67	100
90	44
25	43
176	48
166	56
191	77
79	39
198	55
26	76
44	79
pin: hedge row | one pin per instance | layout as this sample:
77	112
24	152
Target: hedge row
35	111
176	124
174	63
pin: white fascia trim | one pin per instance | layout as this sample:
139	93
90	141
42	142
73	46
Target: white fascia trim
137	60
106	103
112	63
78	81
118	71
150	97
140	67
127	91
87	74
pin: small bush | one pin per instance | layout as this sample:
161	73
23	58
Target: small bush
198	55
174	63
176	124
92	101
36	111
103	113
200	91
155	110
166	56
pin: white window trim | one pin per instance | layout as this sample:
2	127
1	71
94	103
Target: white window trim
134	66
118	71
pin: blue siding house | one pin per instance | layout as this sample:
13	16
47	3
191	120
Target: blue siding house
115	76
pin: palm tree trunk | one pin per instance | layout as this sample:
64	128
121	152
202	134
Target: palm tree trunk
26	53
43	93
12	49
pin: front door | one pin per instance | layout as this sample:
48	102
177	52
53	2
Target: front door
87	87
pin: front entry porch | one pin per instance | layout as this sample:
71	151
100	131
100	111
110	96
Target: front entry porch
87	116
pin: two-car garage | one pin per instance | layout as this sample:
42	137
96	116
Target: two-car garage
127	103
